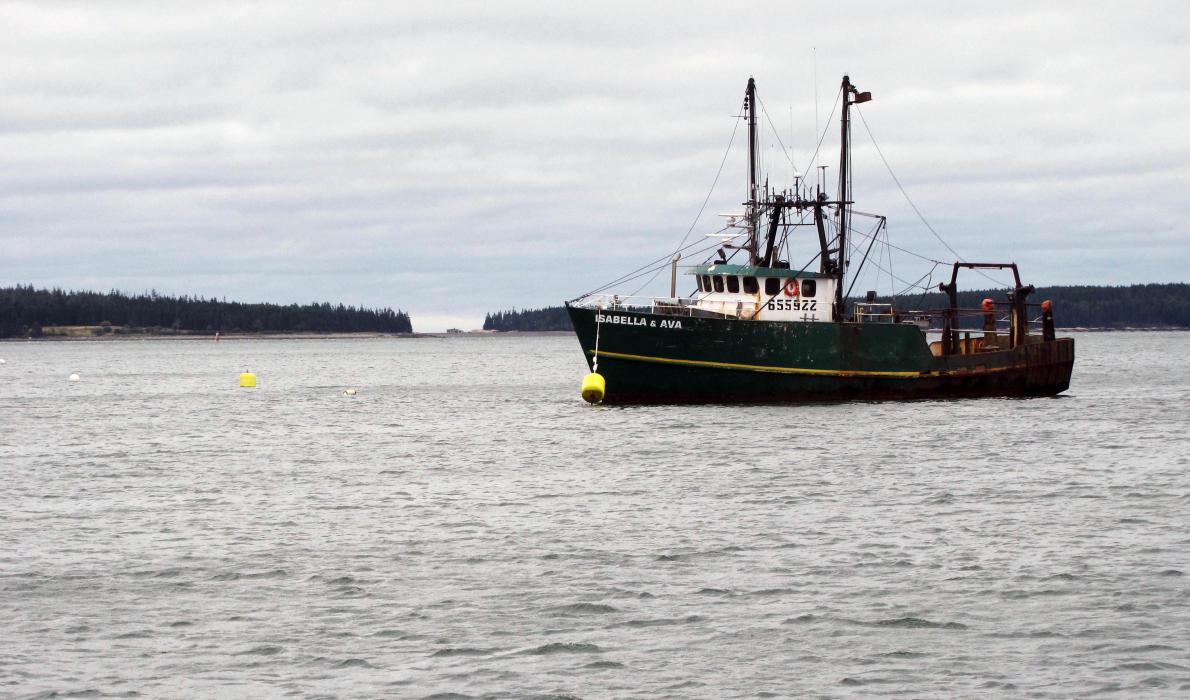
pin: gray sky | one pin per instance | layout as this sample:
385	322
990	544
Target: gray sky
450	159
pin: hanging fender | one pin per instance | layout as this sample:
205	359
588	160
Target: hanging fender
791	289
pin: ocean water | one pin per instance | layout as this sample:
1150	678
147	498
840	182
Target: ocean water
466	527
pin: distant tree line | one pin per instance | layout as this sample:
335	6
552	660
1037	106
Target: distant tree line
1085	306
25	311
552	318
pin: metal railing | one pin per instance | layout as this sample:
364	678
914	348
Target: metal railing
620	302
972	329
670	306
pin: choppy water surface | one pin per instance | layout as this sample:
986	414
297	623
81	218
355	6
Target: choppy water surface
466	527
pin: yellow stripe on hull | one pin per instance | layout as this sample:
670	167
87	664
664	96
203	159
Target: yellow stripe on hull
791	370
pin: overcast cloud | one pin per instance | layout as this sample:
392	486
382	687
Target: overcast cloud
450	159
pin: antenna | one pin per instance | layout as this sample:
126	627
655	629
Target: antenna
814	51
792	137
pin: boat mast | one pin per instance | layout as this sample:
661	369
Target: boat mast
850	97
753	196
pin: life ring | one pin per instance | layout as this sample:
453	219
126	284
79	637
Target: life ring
791	289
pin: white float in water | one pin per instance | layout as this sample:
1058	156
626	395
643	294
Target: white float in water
74	377
2	360
349	392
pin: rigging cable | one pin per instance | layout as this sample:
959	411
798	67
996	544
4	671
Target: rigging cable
661	263
890	245
646	268
910	201
598	323
855	278
735	130
701	209
917	283
814	158
784	151
887	250
908	284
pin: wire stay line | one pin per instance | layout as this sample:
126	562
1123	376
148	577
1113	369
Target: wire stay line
909	199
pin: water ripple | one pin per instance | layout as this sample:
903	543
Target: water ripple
468	528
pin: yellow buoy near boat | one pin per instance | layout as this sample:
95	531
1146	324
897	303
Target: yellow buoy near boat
248	380
593	387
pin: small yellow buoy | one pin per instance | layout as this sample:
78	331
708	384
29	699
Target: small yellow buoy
593	387
248	380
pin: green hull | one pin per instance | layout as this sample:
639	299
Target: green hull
658	358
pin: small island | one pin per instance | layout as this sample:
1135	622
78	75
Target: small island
552	318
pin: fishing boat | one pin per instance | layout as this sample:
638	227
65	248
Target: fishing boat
757	328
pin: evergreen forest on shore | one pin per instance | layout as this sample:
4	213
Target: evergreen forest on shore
1082	306
552	318
25	311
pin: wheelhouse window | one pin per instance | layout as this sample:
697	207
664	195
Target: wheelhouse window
772	285
718	283
733	284
706	283
750	286
809	288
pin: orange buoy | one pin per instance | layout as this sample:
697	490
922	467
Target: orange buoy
1047	305
988	305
